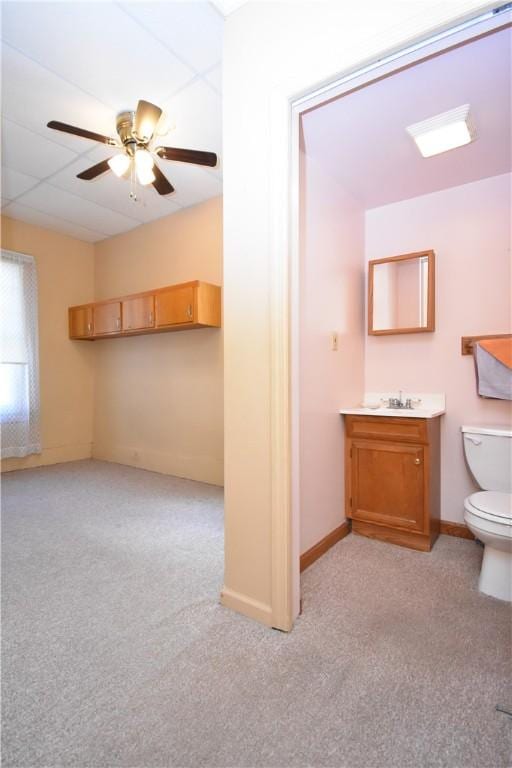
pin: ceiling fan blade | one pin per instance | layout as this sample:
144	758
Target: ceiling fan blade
161	184
95	170
65	128
187	156
146	118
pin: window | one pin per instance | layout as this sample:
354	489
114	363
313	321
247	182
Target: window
19	365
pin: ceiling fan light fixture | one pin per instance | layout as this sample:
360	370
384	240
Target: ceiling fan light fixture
165	125
136	132
143	160
119	164
144	167
145	176
145	132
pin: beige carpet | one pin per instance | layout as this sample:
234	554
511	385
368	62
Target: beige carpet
117	653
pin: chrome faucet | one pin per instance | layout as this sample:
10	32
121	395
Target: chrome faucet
398	402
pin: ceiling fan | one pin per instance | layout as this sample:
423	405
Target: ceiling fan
136	159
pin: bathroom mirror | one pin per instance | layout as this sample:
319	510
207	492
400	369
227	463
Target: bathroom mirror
401	294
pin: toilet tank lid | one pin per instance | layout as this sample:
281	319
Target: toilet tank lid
502	431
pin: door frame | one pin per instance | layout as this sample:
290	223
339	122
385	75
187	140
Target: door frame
286	110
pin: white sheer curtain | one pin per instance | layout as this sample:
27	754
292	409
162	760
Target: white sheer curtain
19	360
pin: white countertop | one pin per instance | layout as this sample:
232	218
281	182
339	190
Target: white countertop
407	413
430	406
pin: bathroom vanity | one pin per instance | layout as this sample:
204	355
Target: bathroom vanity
392	474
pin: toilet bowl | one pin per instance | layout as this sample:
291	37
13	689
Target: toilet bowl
488	513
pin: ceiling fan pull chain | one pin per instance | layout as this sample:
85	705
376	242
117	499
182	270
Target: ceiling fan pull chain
133	191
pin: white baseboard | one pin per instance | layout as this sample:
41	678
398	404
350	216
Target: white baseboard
254	609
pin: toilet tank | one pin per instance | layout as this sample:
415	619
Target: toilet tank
489	455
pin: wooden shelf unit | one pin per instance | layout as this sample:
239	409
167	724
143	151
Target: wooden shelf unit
179	307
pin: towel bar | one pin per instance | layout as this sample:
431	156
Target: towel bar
468	341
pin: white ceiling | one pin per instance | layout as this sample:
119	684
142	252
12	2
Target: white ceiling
227	7
82	63
361	139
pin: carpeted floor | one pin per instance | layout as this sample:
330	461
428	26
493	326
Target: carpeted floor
117	653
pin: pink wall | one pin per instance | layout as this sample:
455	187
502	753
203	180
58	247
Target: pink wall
469	229
331	299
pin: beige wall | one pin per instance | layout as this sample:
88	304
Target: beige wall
149	401
158	399
65	273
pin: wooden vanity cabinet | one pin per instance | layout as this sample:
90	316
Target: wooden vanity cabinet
392	479
81	322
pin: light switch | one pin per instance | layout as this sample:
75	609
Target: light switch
334	341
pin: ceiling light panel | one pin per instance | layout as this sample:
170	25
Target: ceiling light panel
443	132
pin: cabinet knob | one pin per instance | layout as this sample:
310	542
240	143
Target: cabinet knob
417	461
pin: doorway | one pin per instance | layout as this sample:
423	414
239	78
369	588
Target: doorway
327	334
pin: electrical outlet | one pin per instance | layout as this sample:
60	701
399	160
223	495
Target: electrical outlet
334	341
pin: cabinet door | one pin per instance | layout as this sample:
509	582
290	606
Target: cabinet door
387	484
138	312
175	306
107	318
80	322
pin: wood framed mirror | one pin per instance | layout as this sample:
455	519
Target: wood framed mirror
401	294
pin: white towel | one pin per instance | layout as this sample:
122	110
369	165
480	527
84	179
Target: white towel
493	378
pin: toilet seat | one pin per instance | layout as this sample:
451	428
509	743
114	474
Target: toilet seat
488	513
494	506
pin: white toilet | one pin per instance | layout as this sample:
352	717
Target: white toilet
488	513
